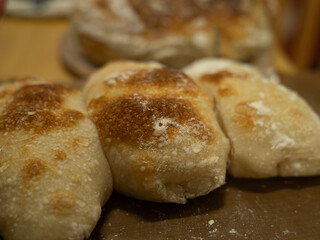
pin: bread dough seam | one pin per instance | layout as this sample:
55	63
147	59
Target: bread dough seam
222	126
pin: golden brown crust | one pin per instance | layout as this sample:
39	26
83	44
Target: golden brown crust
4	93
97	51
226	91
60	155
297	114
273	131
218	77
131	119
158	131
61	202
245	115
138	80
167	14
38	108
45	178
33	168
162	77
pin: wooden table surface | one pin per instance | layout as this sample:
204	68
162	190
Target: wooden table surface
30	47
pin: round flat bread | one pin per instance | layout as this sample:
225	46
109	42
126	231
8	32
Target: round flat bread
172	32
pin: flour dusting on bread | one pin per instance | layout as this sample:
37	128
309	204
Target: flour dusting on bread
158	131
50	163
260	107
271	128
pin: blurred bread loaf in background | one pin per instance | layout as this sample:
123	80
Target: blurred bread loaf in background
172	32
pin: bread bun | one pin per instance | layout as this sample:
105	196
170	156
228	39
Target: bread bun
158	131
51	183
273	132
172	32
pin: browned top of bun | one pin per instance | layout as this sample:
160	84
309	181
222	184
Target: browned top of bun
130	121
131	118
166	77
218	77
37	107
